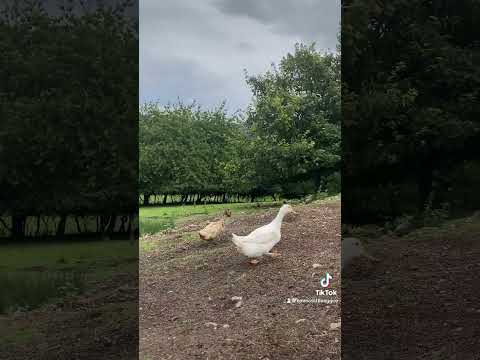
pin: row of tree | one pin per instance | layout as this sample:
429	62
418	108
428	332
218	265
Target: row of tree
287	142
68	107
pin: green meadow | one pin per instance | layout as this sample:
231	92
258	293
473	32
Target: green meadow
154	219
35	273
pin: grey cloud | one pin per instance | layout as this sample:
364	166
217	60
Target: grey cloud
243	45
187	81
312	19
199	49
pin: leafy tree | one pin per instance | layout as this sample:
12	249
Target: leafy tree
295	119
186	151
68	119
410	102
287	142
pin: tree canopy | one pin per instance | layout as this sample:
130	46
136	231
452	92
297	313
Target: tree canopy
295	119
68	104
60	129
286	142
410	101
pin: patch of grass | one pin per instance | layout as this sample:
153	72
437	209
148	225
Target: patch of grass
159	218
27	290
57	256
323	198
165	246
155	224
21	335
453	229
175	260
32	274
466	229
194	260
147	245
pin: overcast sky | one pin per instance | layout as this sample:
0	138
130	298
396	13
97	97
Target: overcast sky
198	49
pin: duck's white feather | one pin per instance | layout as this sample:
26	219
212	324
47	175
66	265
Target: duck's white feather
261	240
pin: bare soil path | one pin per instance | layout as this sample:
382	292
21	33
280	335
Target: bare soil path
187	285
100	324
420	301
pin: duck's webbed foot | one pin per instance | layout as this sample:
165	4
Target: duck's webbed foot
274	254
254	262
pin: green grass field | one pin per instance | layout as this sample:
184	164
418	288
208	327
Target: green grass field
85	255
32	274
157	218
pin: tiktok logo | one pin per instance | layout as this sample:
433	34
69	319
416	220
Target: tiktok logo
325	282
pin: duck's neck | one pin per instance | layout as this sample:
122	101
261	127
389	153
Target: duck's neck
279	218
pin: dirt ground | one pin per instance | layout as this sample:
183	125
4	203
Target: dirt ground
420	301
187	285
100	324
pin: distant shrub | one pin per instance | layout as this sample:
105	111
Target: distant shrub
332	184
298	189
436	216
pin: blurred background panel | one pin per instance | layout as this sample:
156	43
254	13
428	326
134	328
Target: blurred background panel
411	168
68	179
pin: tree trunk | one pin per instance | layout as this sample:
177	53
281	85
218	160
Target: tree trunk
146	199
317	178
37	231
61	226
85	223
79	229
111	225
123	220
424	181
131	227
104	219
46	224
18	227
9	229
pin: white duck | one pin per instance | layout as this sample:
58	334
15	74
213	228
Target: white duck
260	241
352	248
